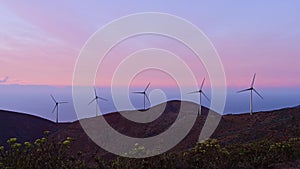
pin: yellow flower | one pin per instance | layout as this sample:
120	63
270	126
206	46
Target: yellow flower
37	142
16	145
12	140
141	147
66	143
46	133
43	140
27	144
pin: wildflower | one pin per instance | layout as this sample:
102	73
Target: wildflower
12	140
16	145
37	142
46	133
43	140
1	148
66	143
294	139
27	144
272	147
141	147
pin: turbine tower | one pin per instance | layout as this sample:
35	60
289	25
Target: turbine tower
56	107
96	99
251	89
200	91
145	95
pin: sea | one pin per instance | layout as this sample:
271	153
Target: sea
36	100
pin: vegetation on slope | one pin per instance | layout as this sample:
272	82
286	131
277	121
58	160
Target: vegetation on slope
47	153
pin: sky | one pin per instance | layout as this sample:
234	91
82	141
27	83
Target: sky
40	40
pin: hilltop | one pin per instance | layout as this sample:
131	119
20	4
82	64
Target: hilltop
241	128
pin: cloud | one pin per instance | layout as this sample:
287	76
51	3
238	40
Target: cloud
4	79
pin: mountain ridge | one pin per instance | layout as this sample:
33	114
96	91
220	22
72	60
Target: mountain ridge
233	128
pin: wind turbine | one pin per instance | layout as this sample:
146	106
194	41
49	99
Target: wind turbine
200	91
56	107
251	89
145	95
96	99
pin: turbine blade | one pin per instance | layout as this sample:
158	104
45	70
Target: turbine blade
138	92
252	84
92	101
103	98
205	96
95	91
202	84
54	109
53	98
62	102
243	90
258	94
193	92
147	87
147	97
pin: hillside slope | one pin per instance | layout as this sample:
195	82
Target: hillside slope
242	128
277	125
24	127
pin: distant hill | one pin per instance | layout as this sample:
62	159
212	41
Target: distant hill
24	127
278	125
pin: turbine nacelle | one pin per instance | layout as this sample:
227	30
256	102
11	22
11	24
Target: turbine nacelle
200	91
145	95
96	99
56	107
251	89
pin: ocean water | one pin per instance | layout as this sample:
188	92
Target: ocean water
36	100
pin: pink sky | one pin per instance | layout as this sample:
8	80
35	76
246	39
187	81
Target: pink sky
40	40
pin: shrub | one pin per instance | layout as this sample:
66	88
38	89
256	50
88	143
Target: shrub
43	153
47	153
207	155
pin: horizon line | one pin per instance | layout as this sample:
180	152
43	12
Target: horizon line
153	84
173	100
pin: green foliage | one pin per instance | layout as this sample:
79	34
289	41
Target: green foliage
43	153
264	153
46	153
211	154
207	155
